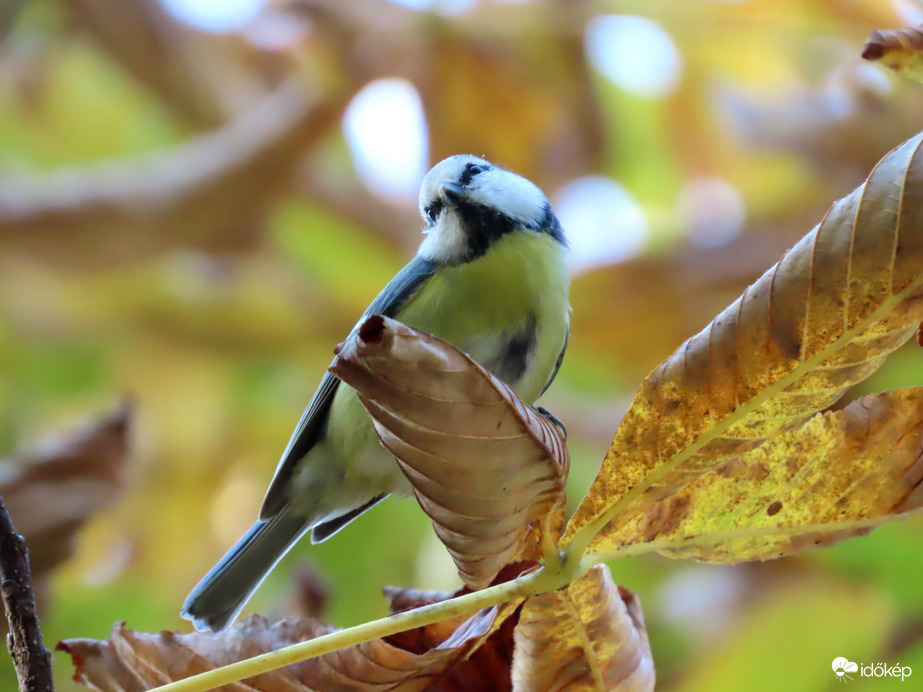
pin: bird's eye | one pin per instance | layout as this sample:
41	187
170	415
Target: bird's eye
432	211
471	170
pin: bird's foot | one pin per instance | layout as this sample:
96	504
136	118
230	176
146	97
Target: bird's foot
554	419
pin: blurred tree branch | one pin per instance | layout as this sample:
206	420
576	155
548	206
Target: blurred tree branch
210	193
213	192
9	10
224	185
172	60
550	129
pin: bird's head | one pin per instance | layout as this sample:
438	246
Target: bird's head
468	204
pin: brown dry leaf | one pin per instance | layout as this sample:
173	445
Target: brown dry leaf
55	488
402	598
485	467
859	463
821	320
452	655
587	636
487	667
131	661
901	50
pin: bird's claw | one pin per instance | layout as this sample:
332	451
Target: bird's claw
554	419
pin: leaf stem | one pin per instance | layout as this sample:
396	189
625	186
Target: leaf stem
546	579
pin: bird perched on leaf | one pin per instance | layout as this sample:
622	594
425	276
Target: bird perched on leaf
490	277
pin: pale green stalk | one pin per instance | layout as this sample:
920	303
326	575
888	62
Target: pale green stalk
563	569
559	574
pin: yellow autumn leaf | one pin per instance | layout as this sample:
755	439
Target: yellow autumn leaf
842	468
587	636
486	468
901	50
821	320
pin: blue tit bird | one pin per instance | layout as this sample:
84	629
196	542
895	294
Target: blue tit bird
490	277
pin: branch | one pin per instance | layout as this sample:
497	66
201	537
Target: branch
376	629
210	193
180	65
31	658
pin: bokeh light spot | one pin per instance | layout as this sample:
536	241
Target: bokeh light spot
218	16
602	221
635	53
446	7
711	211
909	11
385	128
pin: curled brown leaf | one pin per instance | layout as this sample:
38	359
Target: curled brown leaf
590	631
485	467
53	489
487	667
132	661
901	50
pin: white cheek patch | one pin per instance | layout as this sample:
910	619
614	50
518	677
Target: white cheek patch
514	196
446	171
446	242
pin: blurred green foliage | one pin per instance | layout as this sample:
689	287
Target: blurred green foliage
221	347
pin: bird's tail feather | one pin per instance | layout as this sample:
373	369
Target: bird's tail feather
218	598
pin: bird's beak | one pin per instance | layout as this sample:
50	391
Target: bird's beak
453	193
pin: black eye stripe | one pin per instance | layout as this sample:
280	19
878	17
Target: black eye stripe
432	211
435	207
471	170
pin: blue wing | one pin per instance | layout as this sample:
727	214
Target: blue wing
557	365
313	421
